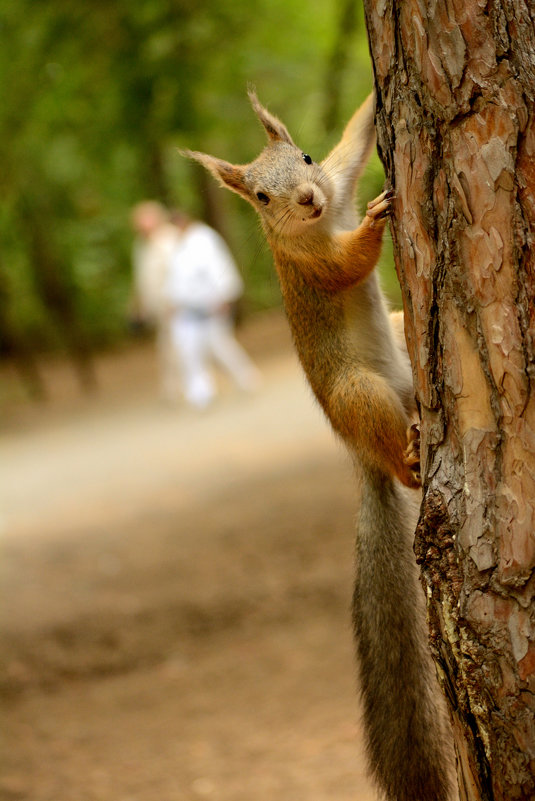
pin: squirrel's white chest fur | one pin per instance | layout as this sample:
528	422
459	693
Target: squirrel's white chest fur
369	336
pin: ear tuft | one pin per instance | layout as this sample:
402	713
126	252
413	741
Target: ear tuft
229	175
275	129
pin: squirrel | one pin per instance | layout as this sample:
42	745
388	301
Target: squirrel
355	358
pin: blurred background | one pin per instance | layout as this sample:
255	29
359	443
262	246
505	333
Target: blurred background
98	99
175	585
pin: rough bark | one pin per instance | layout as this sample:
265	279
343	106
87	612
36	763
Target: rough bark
455	87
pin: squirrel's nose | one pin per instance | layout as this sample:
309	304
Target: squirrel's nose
306	197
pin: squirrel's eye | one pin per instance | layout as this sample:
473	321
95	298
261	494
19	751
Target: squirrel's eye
262	198
307	159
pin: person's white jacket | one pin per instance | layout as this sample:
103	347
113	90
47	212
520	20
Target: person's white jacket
203	276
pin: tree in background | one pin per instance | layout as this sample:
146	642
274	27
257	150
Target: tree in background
456	130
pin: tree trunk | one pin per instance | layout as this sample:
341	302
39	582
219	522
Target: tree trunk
336	67
456	131
212	207
56	288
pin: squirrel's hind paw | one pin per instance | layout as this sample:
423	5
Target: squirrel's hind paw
411	455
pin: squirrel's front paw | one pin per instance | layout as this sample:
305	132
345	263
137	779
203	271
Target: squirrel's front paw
411	455
381	207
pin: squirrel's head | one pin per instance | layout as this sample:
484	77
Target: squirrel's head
289	190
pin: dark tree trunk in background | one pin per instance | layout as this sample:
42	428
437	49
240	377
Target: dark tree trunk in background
56	289
15	345
336	68
212	207
155	178
456	131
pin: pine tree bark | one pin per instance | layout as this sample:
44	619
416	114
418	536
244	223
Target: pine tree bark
455	86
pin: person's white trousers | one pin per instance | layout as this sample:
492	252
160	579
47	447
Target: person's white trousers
197	340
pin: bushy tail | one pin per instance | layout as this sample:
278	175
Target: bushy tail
407	742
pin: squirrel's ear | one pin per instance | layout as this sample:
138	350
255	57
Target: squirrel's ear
276	131
229	175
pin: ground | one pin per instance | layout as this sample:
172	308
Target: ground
176	591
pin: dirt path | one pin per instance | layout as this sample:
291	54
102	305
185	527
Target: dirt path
175	593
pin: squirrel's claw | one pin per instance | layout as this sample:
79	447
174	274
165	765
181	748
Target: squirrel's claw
411	455
381	206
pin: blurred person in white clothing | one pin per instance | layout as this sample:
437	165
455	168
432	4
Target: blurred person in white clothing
202	288
156	239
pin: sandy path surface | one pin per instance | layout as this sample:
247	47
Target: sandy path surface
175	592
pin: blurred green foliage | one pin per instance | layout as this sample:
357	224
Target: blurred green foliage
99	96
